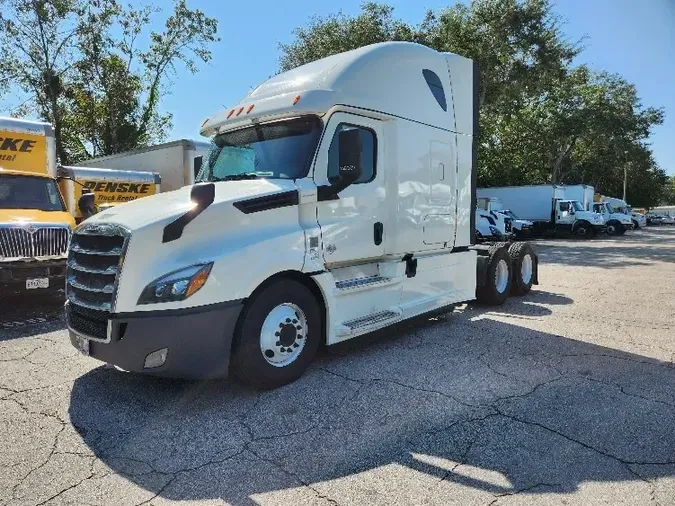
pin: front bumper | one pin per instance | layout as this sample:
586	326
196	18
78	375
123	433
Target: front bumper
13	275
197	340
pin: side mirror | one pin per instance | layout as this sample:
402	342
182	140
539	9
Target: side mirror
350	166
87	204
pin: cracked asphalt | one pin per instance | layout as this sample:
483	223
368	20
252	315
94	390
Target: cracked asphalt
566	396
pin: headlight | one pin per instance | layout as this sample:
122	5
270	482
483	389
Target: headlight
177	285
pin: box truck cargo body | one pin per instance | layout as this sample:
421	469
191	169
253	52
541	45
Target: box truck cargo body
332	204
549	207
177	162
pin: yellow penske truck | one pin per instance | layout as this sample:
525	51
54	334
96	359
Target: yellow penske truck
35	225
40	204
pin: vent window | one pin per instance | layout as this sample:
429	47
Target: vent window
436	88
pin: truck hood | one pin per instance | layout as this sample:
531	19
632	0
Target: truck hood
139	213
26	216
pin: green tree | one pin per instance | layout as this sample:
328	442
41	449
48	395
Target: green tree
79	66
541	118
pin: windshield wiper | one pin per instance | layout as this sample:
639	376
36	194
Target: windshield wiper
236	177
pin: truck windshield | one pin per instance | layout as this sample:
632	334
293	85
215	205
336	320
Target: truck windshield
510	214
29	192
577	206
279	150
610	209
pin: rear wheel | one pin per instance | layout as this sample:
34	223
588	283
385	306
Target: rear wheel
278	335
613	228
583	230
497	277
523	265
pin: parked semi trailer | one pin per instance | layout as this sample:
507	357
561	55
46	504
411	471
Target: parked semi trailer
333	204
550	208
177	162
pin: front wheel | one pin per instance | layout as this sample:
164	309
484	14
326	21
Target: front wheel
613	228
584	230
278	336
636	225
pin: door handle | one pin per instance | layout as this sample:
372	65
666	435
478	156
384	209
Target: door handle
378	230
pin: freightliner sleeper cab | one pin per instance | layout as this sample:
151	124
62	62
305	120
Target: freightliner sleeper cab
337	198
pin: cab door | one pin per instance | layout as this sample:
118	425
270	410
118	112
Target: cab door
353	225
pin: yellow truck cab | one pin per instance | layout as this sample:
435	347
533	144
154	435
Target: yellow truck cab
35	225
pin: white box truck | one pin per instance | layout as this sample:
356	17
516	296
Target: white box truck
333	204
549	207
617	214
177	162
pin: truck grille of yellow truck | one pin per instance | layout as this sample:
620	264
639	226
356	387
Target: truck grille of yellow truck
33	241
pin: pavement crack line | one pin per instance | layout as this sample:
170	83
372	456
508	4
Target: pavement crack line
579	442
411	387
621	388
522	491
70	487
281	468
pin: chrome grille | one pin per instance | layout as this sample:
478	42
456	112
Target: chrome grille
33	241
94	261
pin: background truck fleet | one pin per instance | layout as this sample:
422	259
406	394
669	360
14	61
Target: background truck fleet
38	204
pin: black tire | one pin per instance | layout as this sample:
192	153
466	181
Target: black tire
613	227
489	292
247	361
636	225
622	229
583	230
518	253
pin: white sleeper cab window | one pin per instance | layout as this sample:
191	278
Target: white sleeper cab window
368	153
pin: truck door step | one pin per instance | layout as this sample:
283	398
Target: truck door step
369	322
363	283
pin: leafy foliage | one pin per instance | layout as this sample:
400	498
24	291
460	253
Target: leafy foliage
542	119
79	66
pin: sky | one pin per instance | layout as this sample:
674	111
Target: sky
629	37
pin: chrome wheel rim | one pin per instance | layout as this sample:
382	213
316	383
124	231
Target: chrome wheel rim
283	335
526	269
501	276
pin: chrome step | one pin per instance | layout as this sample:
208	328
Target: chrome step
357	284
369	322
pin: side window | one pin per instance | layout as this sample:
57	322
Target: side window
368	153
436	87
564	206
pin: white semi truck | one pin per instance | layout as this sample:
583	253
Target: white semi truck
552	208
177	162
332	204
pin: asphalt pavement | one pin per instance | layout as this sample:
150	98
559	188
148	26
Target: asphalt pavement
565	396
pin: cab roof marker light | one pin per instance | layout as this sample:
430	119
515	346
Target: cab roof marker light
239	111
250	108
296	99
229	114
205	122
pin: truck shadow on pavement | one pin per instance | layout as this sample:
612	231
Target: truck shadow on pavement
458	408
